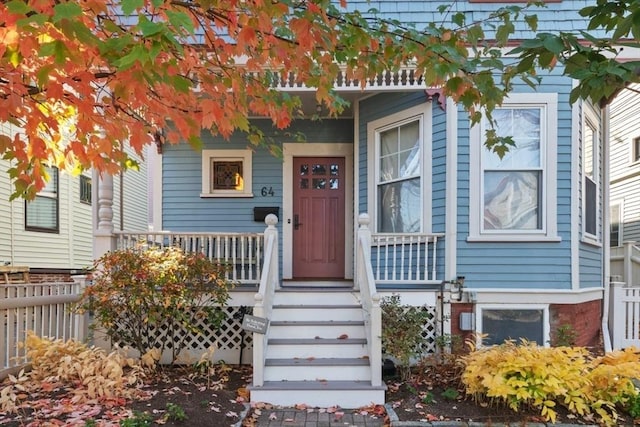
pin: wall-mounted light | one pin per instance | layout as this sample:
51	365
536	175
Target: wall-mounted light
457	287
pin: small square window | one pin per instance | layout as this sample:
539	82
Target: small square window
85	189
226	173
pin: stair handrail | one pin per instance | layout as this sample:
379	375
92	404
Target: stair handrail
264	298
370	299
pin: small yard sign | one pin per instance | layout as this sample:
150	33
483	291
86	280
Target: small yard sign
255	324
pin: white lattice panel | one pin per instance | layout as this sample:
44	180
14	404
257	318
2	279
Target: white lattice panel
228	340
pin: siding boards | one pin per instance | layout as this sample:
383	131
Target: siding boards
550	18
185	210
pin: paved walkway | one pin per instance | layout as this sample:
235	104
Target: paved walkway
289	417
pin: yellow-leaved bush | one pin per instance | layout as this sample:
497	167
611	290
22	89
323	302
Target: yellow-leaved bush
527	375
93	373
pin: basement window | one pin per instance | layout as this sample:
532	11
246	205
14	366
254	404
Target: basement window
499	323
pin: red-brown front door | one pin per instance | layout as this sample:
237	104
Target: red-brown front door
318	217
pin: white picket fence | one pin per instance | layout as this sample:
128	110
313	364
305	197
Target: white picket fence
39	307
624	301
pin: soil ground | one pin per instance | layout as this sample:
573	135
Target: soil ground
182	397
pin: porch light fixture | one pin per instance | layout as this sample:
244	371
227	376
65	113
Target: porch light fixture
457	287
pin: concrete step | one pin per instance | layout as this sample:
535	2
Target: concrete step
321	348
306	370
318	328
288	312
323	394
315	297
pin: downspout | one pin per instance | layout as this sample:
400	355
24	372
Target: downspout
121	208
606	252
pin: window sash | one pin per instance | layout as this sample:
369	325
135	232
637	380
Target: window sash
399	183
615	225
513	187
41	213
590	176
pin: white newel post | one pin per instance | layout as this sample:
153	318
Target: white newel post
264	298
628	262
617	315
103	238
364	235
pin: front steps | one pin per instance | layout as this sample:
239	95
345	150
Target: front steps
317	352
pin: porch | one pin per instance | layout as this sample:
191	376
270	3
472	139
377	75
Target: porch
323	344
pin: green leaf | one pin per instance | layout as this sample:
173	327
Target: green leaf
180	20
149	28
66	11
129	6
532	21
553	44
18	7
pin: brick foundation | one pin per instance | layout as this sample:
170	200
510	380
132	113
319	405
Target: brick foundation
584	322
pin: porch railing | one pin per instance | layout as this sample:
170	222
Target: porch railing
365	283
405	258
264	298
625	263
242	251
39	307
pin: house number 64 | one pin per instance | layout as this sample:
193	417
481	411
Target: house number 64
267	191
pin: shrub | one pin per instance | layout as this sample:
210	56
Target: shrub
529	375
93	373
401	332
137	294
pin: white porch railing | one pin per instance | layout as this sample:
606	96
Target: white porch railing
624	301
370	298
242	251
625	263
39	307
405	258
264	298
625	315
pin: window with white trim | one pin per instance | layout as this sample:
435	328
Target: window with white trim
590	176
615	225
635	149
399	197
226	173
514	196
499	323
85	189
41	213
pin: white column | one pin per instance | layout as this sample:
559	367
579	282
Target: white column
103	237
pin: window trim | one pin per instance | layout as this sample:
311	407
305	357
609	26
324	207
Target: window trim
635	150
589	117
421	112
88	182
546	329
49	195
245	156
548	104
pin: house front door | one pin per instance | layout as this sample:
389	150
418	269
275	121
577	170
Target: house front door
318	217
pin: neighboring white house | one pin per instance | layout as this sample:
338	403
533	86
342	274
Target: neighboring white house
53	234
625	186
